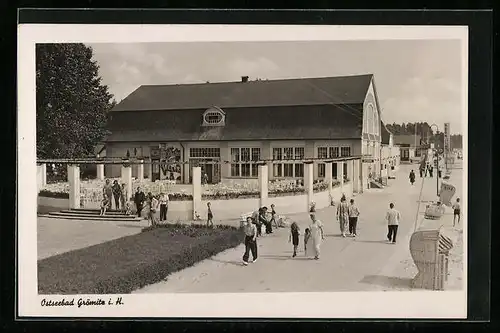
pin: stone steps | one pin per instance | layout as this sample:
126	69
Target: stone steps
93	215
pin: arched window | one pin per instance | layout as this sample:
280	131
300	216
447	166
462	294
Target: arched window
376	123
369	119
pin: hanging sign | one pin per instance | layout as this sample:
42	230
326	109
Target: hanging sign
446	194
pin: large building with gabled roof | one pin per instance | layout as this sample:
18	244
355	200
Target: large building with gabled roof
238	123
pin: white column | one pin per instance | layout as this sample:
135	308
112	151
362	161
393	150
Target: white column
350	170
340	175
100	171
150	170
140	170
308	183
263	184
39	176
74	185
44	174
196	172
126	177
329	178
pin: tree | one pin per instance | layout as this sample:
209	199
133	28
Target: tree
72	103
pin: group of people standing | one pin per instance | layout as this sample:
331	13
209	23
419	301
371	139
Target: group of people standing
118	193
151	204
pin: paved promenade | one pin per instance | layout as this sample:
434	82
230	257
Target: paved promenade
347	264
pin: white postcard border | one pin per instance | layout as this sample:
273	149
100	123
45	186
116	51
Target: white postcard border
415	304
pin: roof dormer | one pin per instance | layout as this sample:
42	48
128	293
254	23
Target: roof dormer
214	116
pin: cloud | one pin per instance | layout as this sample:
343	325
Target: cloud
259	68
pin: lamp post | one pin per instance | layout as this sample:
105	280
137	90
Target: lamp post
437	158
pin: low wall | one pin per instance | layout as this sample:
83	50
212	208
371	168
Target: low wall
225	210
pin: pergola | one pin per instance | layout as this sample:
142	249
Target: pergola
354	173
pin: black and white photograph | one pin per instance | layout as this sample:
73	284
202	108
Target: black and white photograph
249	171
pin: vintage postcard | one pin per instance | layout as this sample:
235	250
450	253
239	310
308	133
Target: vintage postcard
242	171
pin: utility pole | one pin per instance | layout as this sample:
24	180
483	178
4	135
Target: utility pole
437	157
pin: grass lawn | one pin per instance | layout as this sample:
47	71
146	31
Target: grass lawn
132	262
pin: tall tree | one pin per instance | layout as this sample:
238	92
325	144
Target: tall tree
72	103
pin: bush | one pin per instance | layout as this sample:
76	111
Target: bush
123	265
50	194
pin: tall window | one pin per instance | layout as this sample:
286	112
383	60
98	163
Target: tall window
322	153
288	168
331	152
243	162
345	151
204	152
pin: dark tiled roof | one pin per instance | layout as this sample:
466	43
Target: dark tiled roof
386	134
257	123
306	91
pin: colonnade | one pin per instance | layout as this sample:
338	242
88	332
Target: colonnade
353	173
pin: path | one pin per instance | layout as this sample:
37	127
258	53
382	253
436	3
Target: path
56	236
346	264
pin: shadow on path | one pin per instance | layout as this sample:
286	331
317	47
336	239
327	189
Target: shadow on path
372	241
283	257
230	262
131	226
387	281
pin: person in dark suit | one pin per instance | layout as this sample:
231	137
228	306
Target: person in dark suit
139	199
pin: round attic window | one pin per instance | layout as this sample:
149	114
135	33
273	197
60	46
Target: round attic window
213	117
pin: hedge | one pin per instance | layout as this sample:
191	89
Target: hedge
126	264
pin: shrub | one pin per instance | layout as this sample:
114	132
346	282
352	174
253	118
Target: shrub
50	194
129	263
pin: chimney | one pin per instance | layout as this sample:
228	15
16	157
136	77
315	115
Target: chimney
244	79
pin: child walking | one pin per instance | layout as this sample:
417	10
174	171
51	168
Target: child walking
307	237
294	237
210	216
105	202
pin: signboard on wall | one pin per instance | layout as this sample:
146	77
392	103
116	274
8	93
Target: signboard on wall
447	137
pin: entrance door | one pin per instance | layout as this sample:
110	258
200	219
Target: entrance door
155	170
405	154
209	171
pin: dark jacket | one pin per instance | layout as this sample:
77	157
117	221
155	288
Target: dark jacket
139	198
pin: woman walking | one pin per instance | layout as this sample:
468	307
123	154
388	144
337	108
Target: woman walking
124	198
412	177
317	235
152	204
343	215
294	237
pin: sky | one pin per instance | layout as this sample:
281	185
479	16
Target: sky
416	80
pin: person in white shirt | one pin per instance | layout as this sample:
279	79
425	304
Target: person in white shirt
164	199
250	241
393	216
353	218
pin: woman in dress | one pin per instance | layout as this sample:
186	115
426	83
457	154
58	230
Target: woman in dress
343	215
317	235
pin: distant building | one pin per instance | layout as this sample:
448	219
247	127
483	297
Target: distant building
412	147
238	123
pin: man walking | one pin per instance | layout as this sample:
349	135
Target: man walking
164	199
456	212
353	218
393	216
250	241
139	199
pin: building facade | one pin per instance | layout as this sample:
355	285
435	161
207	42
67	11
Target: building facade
227	127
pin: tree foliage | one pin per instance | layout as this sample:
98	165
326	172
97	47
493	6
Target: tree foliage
72	103
424	130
